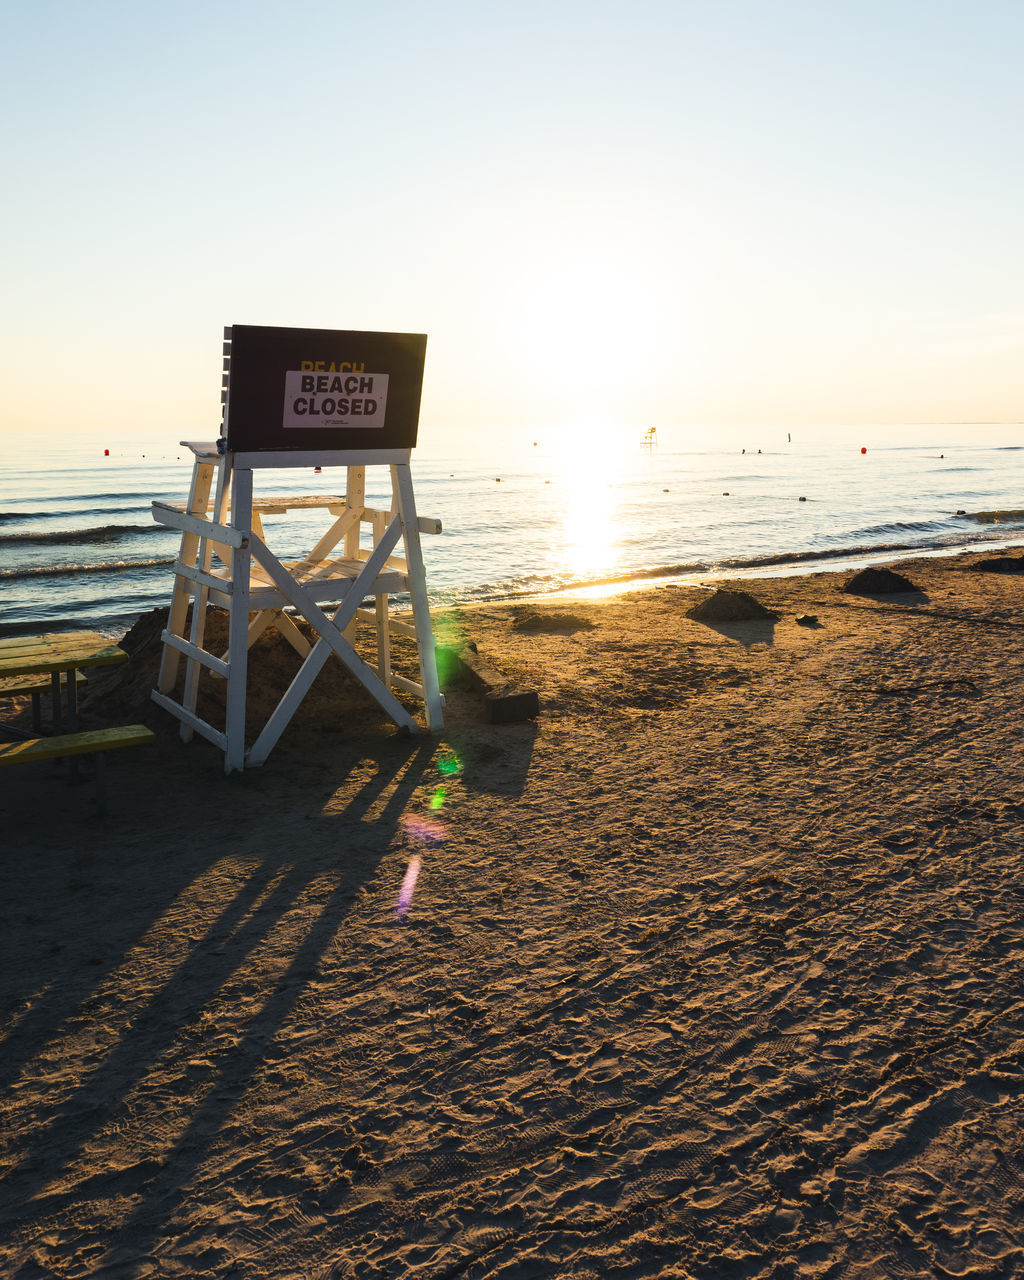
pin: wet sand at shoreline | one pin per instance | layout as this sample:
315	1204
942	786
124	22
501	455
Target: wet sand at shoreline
715	970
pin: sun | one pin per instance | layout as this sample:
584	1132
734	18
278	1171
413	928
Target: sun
590	329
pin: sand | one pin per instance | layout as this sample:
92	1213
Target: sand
715	970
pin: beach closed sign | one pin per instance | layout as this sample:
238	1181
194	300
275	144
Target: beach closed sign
321	389
322	400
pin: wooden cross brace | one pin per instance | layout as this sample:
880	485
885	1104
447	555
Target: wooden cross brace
331	638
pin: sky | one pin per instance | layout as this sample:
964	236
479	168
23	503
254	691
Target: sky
695	213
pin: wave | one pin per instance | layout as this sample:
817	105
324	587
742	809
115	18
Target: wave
808	557
901	526
101	533
145	497
994	517
72	507
85	507
66	570
860	550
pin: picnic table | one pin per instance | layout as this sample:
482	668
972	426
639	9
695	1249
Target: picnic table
26	664
53	655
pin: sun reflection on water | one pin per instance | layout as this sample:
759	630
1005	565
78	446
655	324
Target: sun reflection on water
590	464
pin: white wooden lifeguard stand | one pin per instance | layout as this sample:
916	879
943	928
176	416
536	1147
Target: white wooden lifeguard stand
225	561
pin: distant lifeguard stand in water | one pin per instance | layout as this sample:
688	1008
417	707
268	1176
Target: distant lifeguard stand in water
650	440
301	398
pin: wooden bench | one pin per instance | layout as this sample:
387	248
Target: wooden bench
36	685
94	741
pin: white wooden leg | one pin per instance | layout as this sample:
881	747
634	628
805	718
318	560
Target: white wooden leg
198	501
193	669
258	623
293	635
289	631
238	626
355	499
401	479
380	523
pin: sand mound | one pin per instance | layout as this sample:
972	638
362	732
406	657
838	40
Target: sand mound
551	622
877	582
730	606
1001	564
117	694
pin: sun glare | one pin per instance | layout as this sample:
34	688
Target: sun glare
590	458
588	330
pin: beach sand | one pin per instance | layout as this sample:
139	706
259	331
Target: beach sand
714	970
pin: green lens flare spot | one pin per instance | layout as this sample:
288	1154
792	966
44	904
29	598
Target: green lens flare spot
437	799
449	764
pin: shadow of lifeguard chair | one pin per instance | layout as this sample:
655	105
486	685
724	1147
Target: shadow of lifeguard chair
362	391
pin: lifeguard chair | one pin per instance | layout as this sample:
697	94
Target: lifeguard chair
302	398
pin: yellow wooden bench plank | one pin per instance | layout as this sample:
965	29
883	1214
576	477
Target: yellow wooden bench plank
58	660
74	744
29	684
9	643
56	641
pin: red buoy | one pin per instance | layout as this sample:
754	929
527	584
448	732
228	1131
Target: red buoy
106	453
863	450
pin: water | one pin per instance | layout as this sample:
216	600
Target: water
79	548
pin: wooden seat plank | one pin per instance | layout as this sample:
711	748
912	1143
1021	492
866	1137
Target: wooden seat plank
273	505
18	686
74	744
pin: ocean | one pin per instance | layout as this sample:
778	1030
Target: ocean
79	548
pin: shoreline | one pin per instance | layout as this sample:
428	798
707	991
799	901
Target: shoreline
791	565
716	965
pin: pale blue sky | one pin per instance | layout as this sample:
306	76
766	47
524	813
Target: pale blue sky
654	213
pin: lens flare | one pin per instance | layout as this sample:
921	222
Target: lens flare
437	799
423	829
405	893
449	764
